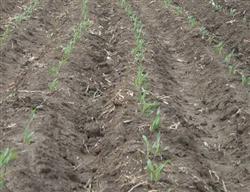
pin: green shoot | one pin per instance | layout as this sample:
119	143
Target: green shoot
6	157
232	69
219	48
245	80
53	86
147	107
141	78
228	58
153	149
156	148
155	170
215	5
148	146
168	2
192	21
54	70
156	122
232	12
211	38
178	10
204	32
27	135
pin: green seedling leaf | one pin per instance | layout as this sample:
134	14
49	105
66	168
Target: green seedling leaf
6	157
148	145
232	69
168	3
204	32
141	78
53	86
245	80
228	58
27	136
219	48
192	21
178	10
156	122
155	170
156	148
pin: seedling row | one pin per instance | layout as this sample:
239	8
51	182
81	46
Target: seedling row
148	108
28	11
219	47
8	154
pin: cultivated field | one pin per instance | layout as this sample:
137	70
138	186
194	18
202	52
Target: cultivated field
124	96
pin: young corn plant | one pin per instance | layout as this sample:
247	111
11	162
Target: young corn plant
211	39
153	150
156	147
147	107
232	69
204	32
228	58
156	122
245	80
232	12
219	48
168	3
192	21
141	78
6	157
148	146
215	5
178	10
27	135
155	170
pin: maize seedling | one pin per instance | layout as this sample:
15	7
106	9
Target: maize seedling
228	58
192	21
6	157
215	5
155	170
219	48
141	78
147	107
212	39
168	2
232	12
232	69
245	80
156	122
178	10
156	148
204	32
153	149
53	86
27	135
148	146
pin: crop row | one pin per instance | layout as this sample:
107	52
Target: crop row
150	109
25	15
8	155
219	47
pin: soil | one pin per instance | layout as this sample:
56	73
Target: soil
88	134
